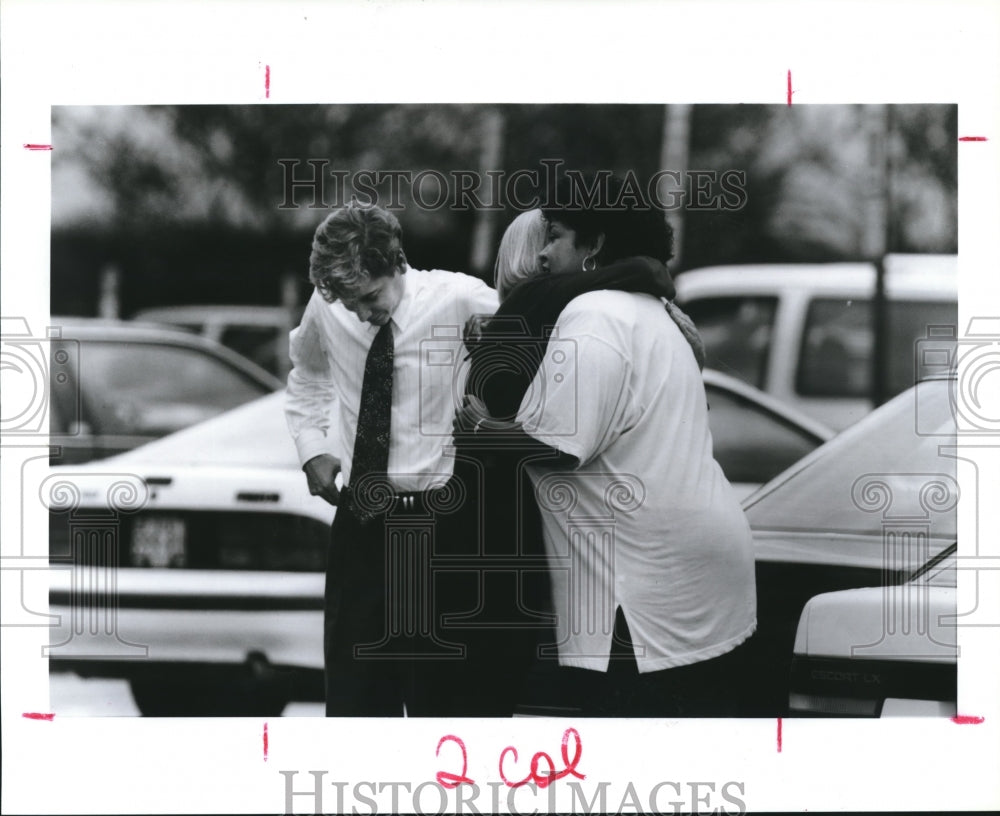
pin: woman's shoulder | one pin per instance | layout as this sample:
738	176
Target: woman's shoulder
610	305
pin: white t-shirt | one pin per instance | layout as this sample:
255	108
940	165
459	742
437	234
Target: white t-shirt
648	521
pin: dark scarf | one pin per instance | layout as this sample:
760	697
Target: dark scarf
511	345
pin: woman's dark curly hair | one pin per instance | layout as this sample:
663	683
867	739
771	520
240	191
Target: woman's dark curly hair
630	223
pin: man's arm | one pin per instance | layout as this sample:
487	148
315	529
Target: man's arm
310	400
480	298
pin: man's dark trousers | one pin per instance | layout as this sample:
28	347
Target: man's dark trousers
384	644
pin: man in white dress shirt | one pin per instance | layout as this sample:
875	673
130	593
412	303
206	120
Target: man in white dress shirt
383	646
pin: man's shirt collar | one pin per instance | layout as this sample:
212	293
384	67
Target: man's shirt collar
401	316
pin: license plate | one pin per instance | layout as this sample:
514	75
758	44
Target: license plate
159	541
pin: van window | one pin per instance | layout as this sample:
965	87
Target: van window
737	334
836	356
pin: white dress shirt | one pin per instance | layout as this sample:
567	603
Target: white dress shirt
648	521
328	352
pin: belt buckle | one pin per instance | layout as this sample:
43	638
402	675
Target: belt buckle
405	503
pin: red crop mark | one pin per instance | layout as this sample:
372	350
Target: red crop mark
265	742
267	81
967	720
779	735
972	138
790	91
34	715
31	146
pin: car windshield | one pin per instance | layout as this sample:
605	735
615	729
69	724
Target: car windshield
897	464
750	443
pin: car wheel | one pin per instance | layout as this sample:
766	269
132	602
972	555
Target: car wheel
185	697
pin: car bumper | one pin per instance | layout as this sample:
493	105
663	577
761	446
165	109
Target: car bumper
185	616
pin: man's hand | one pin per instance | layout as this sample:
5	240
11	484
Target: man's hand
472	413
690	332
321	471
473	332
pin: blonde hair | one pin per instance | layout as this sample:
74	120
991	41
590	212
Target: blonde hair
352	244
517	257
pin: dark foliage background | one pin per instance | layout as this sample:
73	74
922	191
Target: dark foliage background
184	201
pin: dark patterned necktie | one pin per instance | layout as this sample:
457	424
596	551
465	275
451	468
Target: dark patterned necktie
369	468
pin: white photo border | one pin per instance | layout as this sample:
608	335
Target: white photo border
59	53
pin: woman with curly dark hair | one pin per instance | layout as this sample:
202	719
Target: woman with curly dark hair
649	555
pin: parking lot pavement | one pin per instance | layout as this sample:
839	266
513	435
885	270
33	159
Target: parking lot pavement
73	696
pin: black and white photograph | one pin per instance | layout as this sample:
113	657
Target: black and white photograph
809	252
537	436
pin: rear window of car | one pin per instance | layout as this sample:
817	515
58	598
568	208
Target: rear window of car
257	343
836	355
750	443
737	334
155	389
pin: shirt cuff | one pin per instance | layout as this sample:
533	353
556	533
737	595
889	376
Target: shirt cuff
312	442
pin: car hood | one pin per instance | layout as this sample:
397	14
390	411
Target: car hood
892	475
254	435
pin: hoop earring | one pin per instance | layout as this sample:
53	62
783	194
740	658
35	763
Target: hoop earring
592	268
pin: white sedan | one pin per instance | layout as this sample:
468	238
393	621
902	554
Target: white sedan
868	509
880	652
193	566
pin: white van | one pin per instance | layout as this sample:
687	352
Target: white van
803	332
